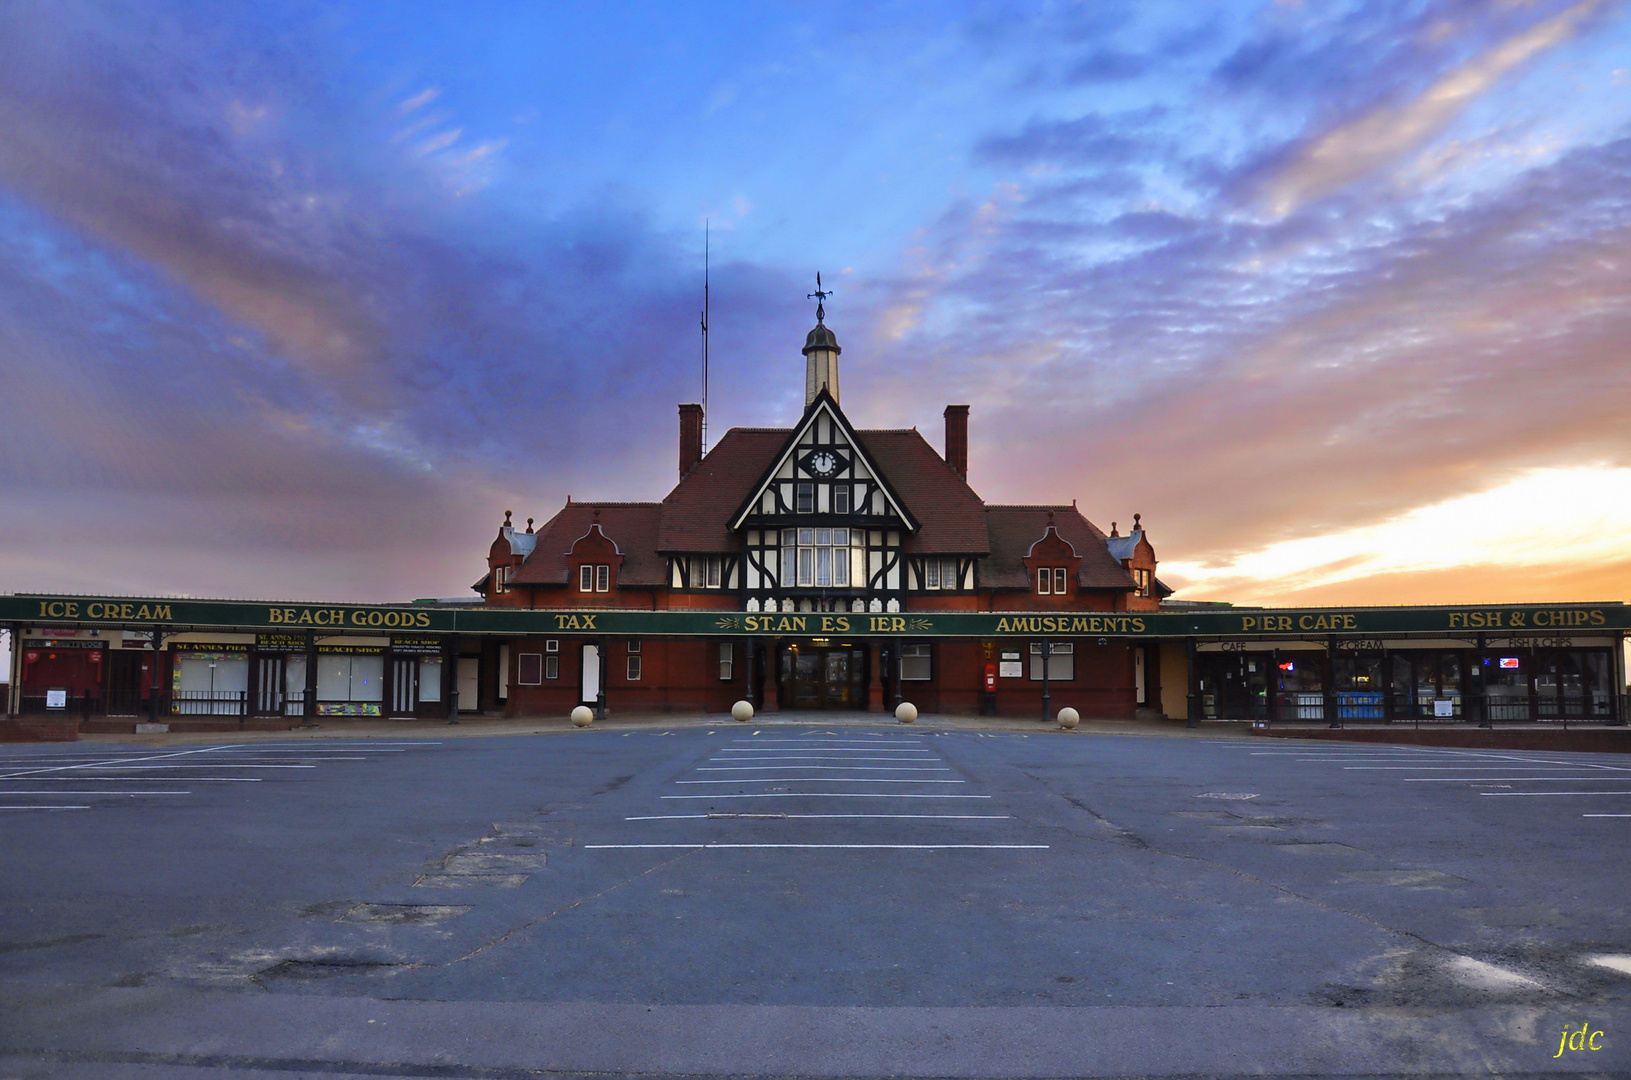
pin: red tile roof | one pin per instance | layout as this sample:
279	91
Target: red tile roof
696	515
631	526
951	517
1014	529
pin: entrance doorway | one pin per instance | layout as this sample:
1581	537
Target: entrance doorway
405	686
814	677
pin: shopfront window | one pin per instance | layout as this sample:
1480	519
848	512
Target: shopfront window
210	683
350	685
1061	661
1357	679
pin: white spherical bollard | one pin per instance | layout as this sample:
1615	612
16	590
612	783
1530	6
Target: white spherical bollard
1069	717
742	711
583	716
906	712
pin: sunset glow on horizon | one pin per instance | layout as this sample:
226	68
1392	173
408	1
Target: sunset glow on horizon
297	299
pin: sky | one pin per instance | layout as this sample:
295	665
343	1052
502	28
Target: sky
296	299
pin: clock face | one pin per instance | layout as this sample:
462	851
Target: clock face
823	463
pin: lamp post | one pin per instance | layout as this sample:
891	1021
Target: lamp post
1047	690
600	690
158	674
450	678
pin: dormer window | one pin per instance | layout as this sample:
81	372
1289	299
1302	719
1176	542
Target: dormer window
594	577
502	576
1050	581
1143	579
805	499
940	574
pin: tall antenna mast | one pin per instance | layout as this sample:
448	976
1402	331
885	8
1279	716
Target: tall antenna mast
704	335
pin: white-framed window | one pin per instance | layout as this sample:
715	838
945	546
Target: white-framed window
552	665
1061	661
1143	579
1059	581
603	578
727	661
916	662
529	669
552	645
502	576
634	662
804	498
818	558
706	571
594	577
634	645
1050	580
586	578
840	498
940	574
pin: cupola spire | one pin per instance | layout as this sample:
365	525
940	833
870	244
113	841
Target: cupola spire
820	351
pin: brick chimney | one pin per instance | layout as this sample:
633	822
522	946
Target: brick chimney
690	437
957	439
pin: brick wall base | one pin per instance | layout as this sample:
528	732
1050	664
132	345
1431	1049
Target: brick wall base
39	729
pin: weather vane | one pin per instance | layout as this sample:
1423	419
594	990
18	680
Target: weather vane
820	297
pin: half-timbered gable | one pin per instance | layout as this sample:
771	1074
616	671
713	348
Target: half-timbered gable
819	517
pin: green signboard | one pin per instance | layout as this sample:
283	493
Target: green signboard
330	619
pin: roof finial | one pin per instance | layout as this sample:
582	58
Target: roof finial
1050	519
529	525
1113	531
820	297
1136	525
507	514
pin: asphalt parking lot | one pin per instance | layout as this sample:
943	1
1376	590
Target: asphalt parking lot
808	901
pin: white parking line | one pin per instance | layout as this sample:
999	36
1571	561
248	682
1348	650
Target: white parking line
103	778
780	757
211	765
818	780
115	761
1555	793
819	795
1454	768
26	794
849	847
1482	779
803	817
1605	815
44	808
826	768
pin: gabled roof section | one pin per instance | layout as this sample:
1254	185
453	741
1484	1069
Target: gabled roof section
696	515
951	516
630	526
1015	529
823	403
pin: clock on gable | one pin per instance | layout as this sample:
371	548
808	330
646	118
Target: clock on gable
824	463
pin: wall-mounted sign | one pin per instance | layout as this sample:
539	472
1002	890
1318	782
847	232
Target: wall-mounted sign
209	647
352	650
1510	662
56	699
53	643
416	646
284	643
1443	708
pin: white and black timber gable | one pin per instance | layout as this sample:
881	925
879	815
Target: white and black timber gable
824	470
822	529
